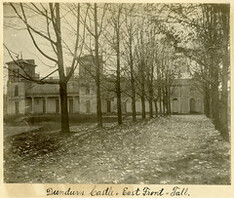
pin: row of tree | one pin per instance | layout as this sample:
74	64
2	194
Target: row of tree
149	44
208	33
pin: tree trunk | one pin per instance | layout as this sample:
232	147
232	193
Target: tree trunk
151	92
166	98
97	63
133	103
224	106
63	83
215	99
210	104
150	98
159	94
142	90
164	106
168	105
64	110
143	106
226	63
132	79
224	103
119	109
169	99
156	108
160	103
206	101
164	102
99	106
151	107
118	89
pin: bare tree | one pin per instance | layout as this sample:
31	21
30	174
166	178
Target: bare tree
130	45
209	32
98	28
53	36
114	39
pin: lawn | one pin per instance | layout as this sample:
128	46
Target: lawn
172	150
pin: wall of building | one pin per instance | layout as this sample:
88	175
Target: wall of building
12	105
16	97
11	89
127	105
51	104
186	99
107	105
76	104
38	105
87	94
38	99
28	105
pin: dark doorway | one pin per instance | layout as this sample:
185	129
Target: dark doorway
87	106
124	107
44	106
192	105
17	107
108	106
16	90
29	105
57	105
71	105
175	105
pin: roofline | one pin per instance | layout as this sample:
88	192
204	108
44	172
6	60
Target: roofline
24	61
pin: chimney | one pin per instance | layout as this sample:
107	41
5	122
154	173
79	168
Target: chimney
31	61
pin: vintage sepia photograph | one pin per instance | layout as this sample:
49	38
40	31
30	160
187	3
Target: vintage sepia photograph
116	93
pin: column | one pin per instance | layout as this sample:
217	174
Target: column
78	104
59	104
45	104
74	105
32	111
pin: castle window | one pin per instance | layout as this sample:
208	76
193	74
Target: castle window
175	105
16	73
87	106
16	90
108	106
16	107
192	103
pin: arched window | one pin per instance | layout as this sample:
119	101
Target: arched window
192	105
16	90
175	105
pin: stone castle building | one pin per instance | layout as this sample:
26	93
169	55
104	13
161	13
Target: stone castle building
185	97
27	97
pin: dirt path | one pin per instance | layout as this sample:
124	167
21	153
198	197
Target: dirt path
174	150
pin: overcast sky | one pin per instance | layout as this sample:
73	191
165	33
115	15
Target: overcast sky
17	39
